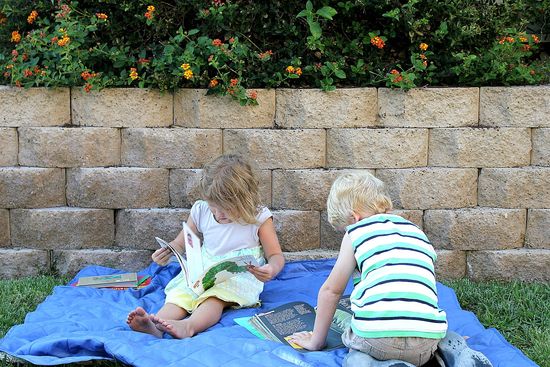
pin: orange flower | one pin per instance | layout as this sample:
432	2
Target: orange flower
150	8
64	41
3	19
253	95
217	42
425	63
263	55
231	40
32	17
394	72
290	69
27	73
87	88
87	75
148	15
377	42
423	46
143	60
298	71
522	39
133	74
213	83
233	82
535	38
15	37
102	16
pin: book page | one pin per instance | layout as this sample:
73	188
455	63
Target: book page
179	257
223	270
194	254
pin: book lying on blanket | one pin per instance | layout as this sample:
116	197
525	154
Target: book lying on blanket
126	280
199	278
283	321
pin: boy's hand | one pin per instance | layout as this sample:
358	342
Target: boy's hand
263	273
162	256
305	340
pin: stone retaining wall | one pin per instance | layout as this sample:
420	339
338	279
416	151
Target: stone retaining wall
92	178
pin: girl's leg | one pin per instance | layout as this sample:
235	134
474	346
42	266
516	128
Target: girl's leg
140	320
207	314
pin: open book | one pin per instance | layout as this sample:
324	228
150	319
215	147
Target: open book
283	321
200	278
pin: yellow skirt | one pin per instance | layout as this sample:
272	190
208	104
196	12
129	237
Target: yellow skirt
243	289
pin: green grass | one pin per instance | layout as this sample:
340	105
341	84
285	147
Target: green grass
520	311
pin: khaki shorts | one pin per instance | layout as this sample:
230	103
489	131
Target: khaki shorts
417	351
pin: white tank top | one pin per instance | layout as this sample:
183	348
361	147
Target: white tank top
220	239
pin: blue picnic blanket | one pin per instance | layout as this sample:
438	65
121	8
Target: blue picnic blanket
76	324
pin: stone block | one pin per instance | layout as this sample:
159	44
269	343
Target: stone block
117	187
69	147
476	228
527	187
137	228
193	108
541	147
303	189
316	254
62	228
24	187
315	109
415	216
122	107
508	265
170	148
34	106
4	228
377	148
297	230
450	264
271	149
525	106
489	147
8	146
69	262
429	107
18	263
185	190
431	188
538	229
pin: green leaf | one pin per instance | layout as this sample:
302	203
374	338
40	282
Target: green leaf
327	12
304	13
394	14
309	6
340	74
293	76
192	32
315	29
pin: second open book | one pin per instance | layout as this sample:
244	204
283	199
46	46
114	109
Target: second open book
198	276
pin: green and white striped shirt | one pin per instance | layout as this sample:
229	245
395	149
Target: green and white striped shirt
396	295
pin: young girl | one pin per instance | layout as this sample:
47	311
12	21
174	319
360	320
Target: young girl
232	223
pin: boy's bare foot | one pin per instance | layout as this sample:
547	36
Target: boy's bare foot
139	320
179	329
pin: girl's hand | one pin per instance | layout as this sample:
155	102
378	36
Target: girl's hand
305	340
162	256
263	273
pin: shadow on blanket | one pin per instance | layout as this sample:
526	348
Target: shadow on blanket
82	324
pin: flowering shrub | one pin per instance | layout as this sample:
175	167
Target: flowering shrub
231	47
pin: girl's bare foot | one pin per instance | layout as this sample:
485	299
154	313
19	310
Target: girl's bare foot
179	329
139	320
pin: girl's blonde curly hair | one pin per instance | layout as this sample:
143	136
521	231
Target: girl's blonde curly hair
229	181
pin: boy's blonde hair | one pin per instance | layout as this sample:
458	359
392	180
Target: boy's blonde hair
229	181
357	192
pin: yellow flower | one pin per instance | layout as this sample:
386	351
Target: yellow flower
290	69
32	17
150	8
185	66
133	73
15	37
423	46
188	74
64	41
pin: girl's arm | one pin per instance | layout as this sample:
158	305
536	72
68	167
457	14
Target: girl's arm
162	255
272	251
327	300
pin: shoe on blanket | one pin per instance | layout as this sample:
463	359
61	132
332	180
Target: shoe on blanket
454	352
359	359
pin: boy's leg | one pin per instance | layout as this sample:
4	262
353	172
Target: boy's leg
207	314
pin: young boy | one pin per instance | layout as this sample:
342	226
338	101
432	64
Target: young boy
394	301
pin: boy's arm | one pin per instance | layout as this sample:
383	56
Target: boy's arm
327	300
272	251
